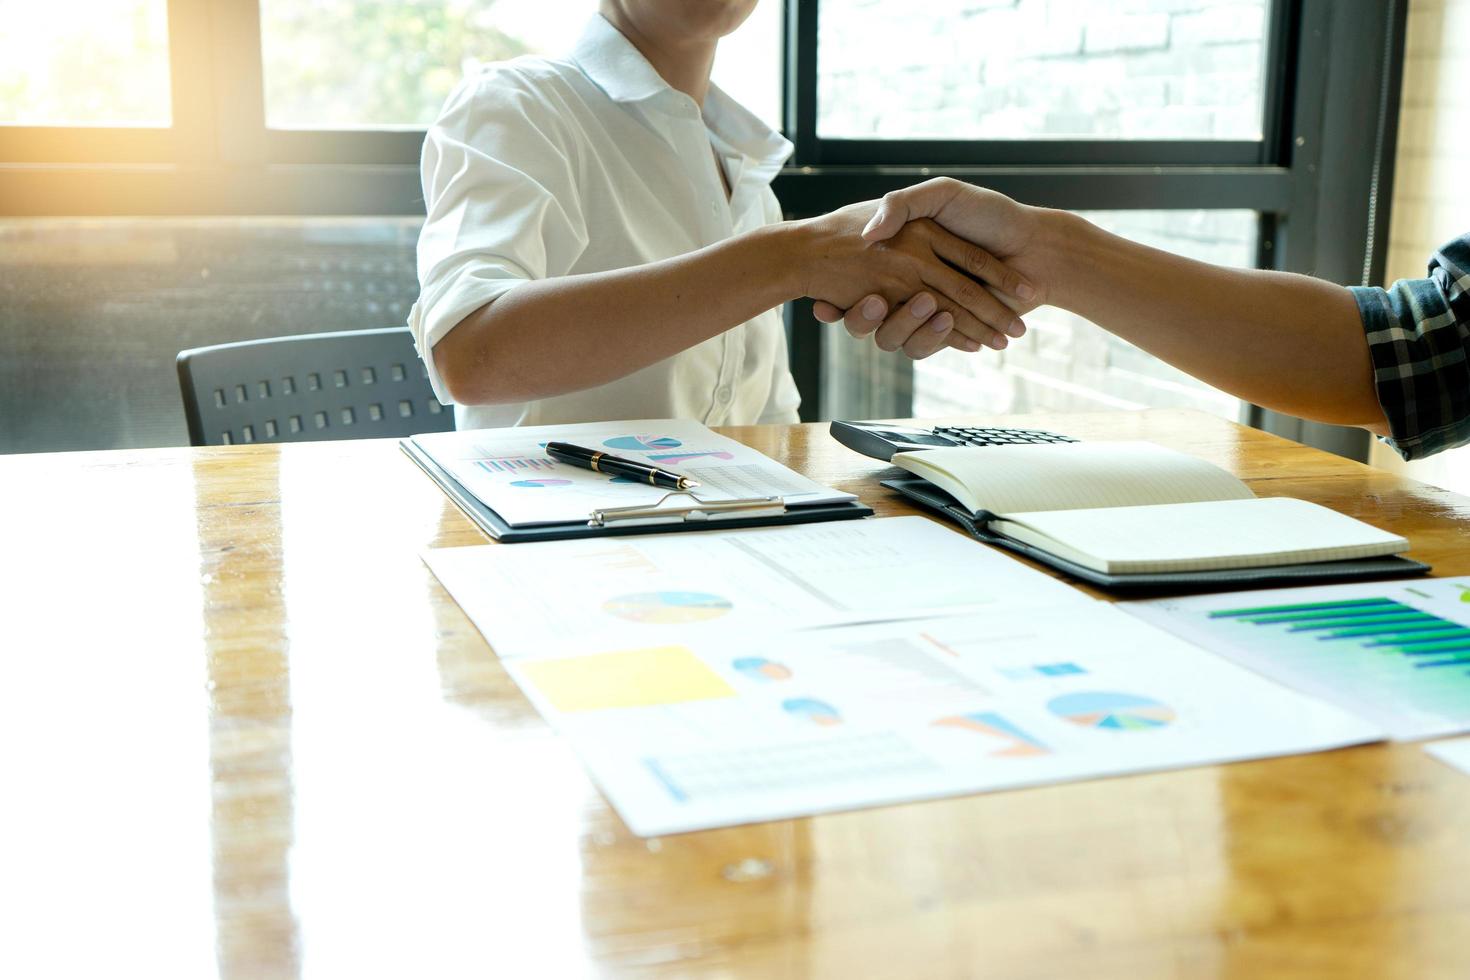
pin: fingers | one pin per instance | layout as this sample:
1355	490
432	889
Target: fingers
959	341
980	264
825	312
921	327
970	334
898	208
933	336
861	320
866	316
907	318
978	314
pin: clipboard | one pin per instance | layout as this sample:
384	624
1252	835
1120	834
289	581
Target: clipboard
699	515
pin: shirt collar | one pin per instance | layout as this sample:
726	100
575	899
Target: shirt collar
614	65
746	134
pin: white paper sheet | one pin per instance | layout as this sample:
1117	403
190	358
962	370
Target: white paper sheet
753	726
1210	534
646	590
1452	751
1396	653
509	471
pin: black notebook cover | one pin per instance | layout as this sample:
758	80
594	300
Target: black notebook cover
492	523
922	492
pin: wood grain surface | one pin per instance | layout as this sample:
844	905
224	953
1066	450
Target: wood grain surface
247	734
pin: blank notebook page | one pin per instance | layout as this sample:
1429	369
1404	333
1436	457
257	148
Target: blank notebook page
1067	476
1201	536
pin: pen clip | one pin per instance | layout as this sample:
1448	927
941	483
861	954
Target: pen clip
699	510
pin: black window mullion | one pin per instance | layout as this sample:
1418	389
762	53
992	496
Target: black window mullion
1344	110
1279	92
805	336
799	52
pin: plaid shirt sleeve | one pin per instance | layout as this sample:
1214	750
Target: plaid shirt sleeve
1418	334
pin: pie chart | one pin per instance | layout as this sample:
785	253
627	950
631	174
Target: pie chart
761	669
1111	711
667	608
642	443
989	723
812	710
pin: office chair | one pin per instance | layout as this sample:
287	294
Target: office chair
356	384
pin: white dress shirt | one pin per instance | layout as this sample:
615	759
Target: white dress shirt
539	167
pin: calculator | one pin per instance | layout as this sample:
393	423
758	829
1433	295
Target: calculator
882	441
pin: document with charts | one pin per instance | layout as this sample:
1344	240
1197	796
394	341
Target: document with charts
509	471
1396	653
646	590
747	726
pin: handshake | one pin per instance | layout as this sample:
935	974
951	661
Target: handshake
940	264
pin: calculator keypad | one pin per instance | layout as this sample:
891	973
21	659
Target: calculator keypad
980	436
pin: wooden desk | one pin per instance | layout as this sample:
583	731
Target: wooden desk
248	733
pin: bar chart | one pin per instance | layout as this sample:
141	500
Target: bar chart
1399	655
515	464
1376	624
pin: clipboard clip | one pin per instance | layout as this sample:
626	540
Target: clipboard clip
700	510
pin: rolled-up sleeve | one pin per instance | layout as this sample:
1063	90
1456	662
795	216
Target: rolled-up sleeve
1418	333
499	176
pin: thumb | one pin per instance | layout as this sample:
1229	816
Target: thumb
892	214
898	208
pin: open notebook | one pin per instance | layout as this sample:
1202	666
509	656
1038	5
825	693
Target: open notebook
1133	508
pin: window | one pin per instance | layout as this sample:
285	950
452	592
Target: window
1042	69
374	64
1066	364
748	65
1138	111
84	63
365	64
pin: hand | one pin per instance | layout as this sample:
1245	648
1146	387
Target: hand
1000	230
929	272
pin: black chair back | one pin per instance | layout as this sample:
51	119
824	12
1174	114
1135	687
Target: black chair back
356	384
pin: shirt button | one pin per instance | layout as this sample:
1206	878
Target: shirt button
724	395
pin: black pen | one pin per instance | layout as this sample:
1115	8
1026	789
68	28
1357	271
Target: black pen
601	462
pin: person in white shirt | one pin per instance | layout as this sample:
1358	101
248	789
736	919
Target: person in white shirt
602	241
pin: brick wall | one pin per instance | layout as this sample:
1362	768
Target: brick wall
1003	69
1067	364
1047	69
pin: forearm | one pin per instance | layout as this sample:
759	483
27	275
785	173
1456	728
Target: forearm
548	337
1289	343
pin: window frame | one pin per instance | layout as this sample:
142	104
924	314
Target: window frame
1329	66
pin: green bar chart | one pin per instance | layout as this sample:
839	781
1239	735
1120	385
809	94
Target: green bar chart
1398	655
1378	624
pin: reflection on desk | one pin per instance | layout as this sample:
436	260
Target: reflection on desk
249	735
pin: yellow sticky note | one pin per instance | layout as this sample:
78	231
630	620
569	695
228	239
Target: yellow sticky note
626	679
